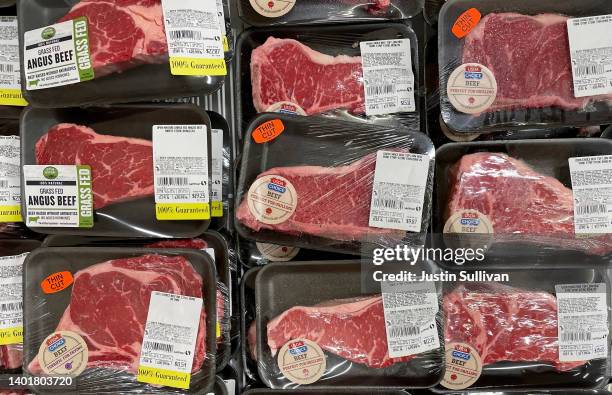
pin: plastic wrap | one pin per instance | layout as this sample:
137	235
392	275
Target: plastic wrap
212	242
514	328
342	391
9	126
123	206
329	79
522	189
534	82
126	74
260	13
227	177
113	361
330	310
331	165
247	323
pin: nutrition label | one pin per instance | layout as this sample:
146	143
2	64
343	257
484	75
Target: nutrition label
591	54
388	79
398	196
592	193
583	321
410	310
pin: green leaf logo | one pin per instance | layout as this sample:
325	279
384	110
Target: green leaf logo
48	33
50	172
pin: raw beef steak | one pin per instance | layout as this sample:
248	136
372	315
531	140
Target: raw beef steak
505	324
285	70
122	33
332	202
122	168
195	244
10	356
352	328
110	302
530	58
522	204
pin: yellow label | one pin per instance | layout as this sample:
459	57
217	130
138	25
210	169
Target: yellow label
225	43
12	97
194	66
10	214
218	330
11	336
168	378
217	209
182	211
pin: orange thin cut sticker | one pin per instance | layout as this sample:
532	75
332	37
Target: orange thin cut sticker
56	282
268	131
466	22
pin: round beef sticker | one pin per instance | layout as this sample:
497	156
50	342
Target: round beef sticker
302	361
468	229
471	88
463	366
63	353
272	8
272	199
277	253
285	107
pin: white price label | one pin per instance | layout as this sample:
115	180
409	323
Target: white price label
410	310
592	192
388	79
582	321
398	192
10	75
11	299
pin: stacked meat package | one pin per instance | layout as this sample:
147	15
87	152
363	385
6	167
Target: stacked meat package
377	197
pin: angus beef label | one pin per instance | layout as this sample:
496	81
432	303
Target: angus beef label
57	55
302	361
58	196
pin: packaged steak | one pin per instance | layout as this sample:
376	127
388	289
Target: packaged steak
261	13
521	330
121	319
340	71
325	184
144	169
13	252
247	323
11	225
342	391
135	50
523	65
525	198
211	242
348	337
221	172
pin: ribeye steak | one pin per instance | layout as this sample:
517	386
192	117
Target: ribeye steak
109	305
285	70
122	168
332	202
522	204
122	33
10	356
352	328
530	58
505	324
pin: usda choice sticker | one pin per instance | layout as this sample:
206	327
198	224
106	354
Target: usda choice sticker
58	196
57	55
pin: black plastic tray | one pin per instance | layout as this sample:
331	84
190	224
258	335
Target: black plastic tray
131	218
247	317
146	82
332	40
321	141
546	156
341	391
42	312
320	281
218	122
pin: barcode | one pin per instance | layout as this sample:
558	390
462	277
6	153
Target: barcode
155	346
189	34
4	184
6	68
376	90
404	331
575	336
590	69
172	181
389	203
591	209
16	306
